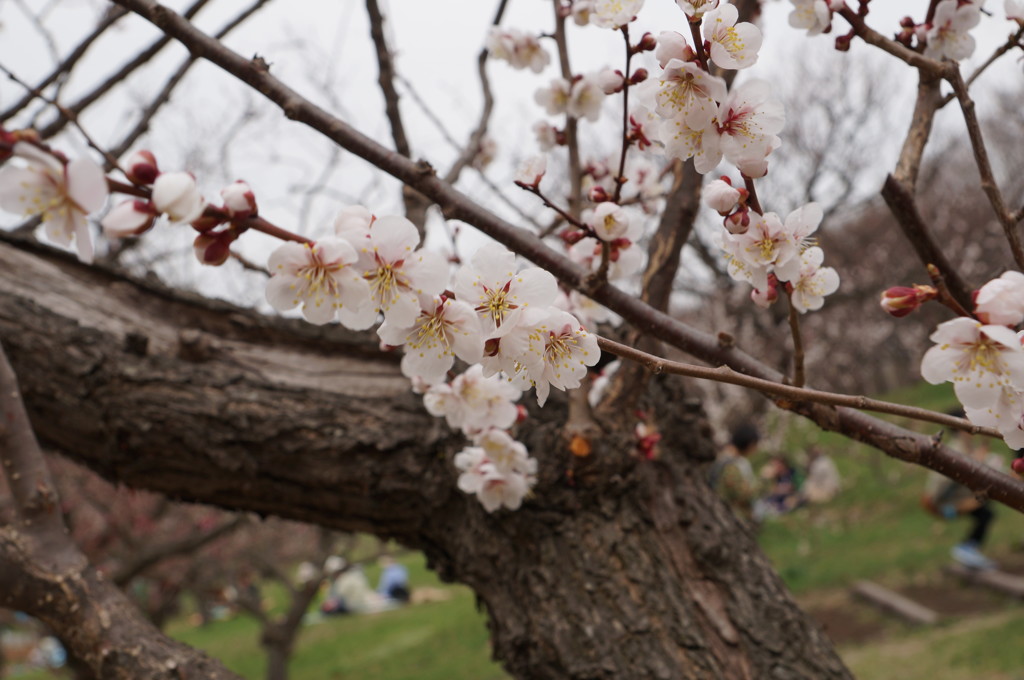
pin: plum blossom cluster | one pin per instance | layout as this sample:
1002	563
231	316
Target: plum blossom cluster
519	49
495	468
691	113
766	251
496	317
983	358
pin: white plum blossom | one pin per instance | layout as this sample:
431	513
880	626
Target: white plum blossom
555	97
474	402
948	37
684	87
803	222
586	98
499	294
547	135
749	119
812	15
398	274
692	135
589	312
609	221
176	195
445	328
1005	415
321	277
62	195
812	282
1001	301
721	196
980	360
548	349
499	471
614	13
581	11
519	49
733	46
532	170
695	9
753	254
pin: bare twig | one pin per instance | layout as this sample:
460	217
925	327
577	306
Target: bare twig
476	138
117	78
988	180
571	128
798	344
65	66
725	374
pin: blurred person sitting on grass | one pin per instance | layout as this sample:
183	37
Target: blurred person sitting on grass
731	475
948	500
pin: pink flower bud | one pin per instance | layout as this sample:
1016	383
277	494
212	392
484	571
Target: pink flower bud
901	300
141	168
610	81
239	201
647	43
639	76
1018	465
766	298
597	194
176	195
721	196
214	247
572	236
738	222
129	218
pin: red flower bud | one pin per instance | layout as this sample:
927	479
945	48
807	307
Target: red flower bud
647	43
598	194
214	248
141	167
901	300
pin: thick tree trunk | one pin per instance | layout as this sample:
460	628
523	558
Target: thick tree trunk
616	567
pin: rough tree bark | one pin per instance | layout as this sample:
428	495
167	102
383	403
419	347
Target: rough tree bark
617	567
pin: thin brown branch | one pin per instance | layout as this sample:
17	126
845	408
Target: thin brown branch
1013	41
620	176
572	142
901	52
904	208
724	374
415	205
162	97
476	138
116	78
988	180
65	66
181	547
798	344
